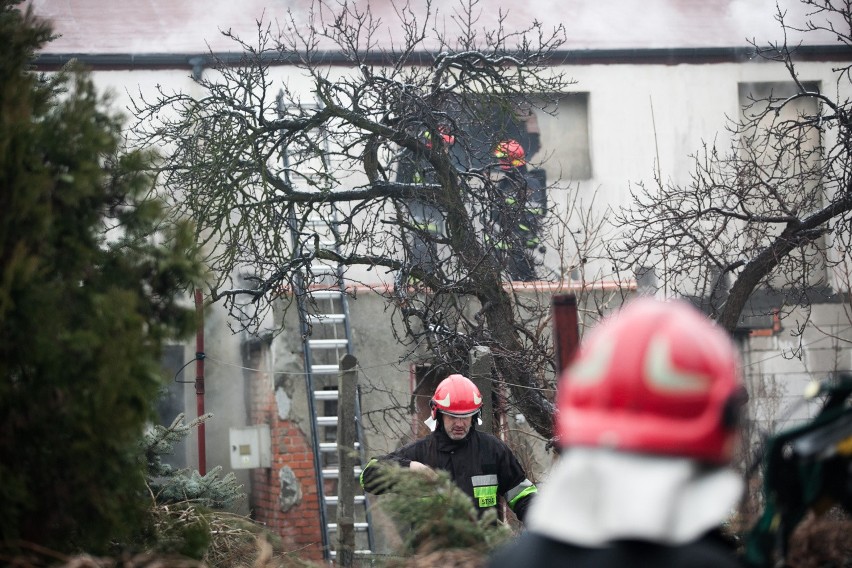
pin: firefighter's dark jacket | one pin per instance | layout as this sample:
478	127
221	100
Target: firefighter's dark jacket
480	465
533	549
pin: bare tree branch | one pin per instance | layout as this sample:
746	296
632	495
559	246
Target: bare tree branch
255	164
763	211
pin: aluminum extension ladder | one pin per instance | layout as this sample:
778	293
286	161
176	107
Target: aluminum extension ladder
324	318
326	334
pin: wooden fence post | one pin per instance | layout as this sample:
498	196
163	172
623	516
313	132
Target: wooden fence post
480	374
346	381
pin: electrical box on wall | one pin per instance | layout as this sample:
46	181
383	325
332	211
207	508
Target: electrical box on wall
251	447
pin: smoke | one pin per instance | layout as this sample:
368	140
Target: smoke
187	26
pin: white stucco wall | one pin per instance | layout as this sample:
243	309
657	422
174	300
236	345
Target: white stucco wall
639	117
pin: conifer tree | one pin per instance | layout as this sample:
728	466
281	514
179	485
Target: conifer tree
88	292
184	485
438	516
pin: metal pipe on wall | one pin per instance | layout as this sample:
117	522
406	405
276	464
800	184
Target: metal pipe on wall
199	380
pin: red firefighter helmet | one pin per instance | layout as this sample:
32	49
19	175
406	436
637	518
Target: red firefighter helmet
457	396
658	378
448	138
510	153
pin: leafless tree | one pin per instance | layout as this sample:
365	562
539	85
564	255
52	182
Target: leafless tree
768	215
394	148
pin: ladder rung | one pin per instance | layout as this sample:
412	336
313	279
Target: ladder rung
325	318
332	499
325	369
324	294
323	269
359	527
328	447
334	473
325	395
328	343
333	553
327	420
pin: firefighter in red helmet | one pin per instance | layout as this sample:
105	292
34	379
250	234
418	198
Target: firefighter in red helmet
480	464
518	211
647	419
446	137
426	220
510	154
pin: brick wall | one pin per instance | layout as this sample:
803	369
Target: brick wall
298	526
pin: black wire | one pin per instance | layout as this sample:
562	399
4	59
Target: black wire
199	356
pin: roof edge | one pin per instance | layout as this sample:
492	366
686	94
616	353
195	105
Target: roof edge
47	61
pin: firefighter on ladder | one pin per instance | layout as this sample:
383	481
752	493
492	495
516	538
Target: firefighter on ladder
518	214
426	217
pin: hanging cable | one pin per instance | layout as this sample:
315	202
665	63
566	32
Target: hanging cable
199	356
